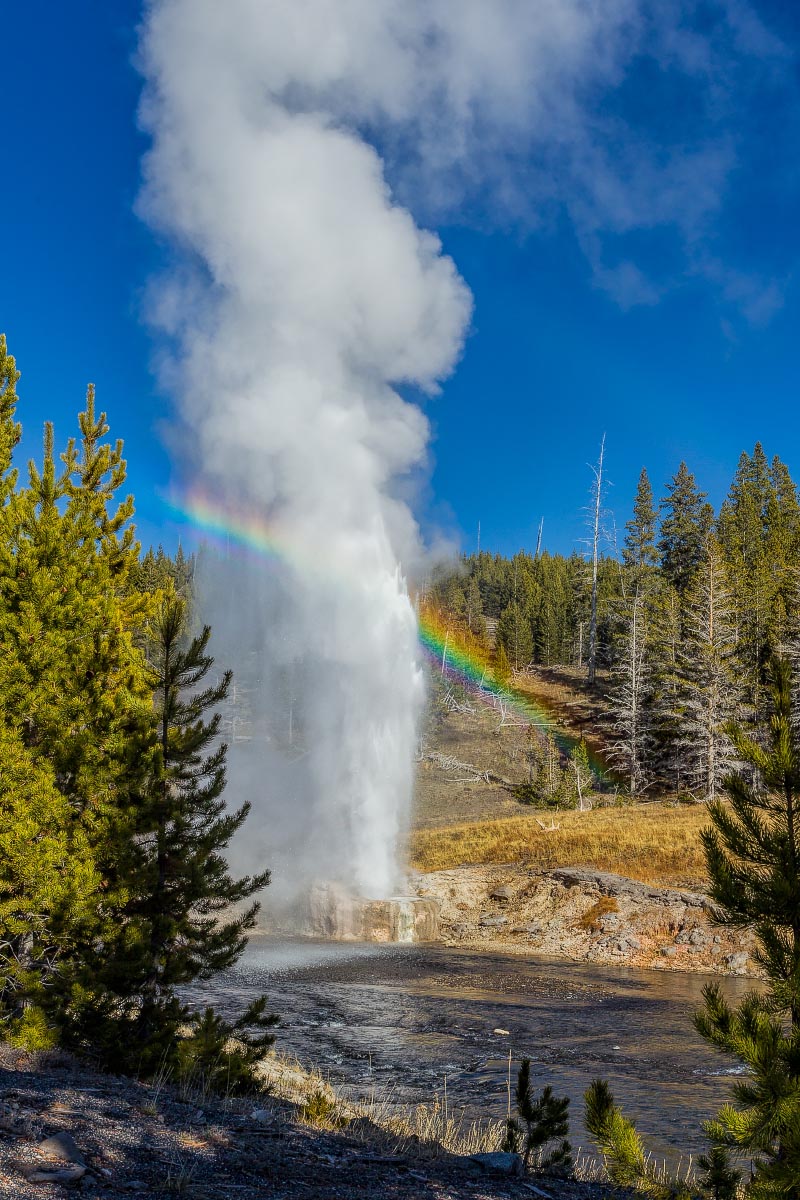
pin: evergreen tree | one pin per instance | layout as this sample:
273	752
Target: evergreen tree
514	634
626	1161
629	710
76	700
501	667
640	532
474	613
684	528
719	1181
709	699
541	1120
754	575
49	887
10	430
180	884
580	776
665	757
753	858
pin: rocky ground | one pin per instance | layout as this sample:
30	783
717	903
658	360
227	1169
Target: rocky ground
583	915
66	1131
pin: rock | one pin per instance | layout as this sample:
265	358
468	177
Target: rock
668	951
737	962
501	893
260	1115
533	929
504	1032
633	942
34	1173
697	938
499	1160
62	1145
617	885
493	922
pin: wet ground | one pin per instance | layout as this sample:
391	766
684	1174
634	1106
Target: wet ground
406	1018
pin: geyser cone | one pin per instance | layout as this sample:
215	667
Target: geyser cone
341	915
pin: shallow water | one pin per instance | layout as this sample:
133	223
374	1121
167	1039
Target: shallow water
402	1018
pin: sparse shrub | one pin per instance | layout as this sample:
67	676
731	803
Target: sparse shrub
221	1056
542	1120
320	1109
591	919
31	1031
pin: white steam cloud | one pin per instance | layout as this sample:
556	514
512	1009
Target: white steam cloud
303	293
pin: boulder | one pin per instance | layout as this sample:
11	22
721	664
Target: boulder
62	1145
737	963
501	892
499	1160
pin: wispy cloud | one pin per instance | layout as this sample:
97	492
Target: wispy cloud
629	116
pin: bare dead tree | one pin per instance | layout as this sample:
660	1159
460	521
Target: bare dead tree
597	499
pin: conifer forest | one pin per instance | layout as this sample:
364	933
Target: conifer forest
689	610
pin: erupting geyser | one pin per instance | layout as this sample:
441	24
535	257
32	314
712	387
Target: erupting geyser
300	295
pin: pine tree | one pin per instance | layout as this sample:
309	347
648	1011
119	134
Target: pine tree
708	692
753	857
10	430
474	613
629	709
541	1120
514	634
627	1163
640	532
49	886
579	774
181	884
76	700
753	571
665	757
719	1181
684	528
501	667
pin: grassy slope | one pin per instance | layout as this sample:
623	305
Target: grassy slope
654	843
461	820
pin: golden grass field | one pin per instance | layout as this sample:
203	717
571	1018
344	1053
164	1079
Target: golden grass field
654	843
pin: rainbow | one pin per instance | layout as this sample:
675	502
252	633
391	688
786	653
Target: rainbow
223	527
461	658
449	647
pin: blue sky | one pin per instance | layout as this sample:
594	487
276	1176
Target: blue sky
689	352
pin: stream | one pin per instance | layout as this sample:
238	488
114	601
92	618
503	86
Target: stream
402	1018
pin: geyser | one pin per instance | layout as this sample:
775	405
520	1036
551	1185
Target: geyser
301	294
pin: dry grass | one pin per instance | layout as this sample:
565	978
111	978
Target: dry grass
591	919
654	843
419	1130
